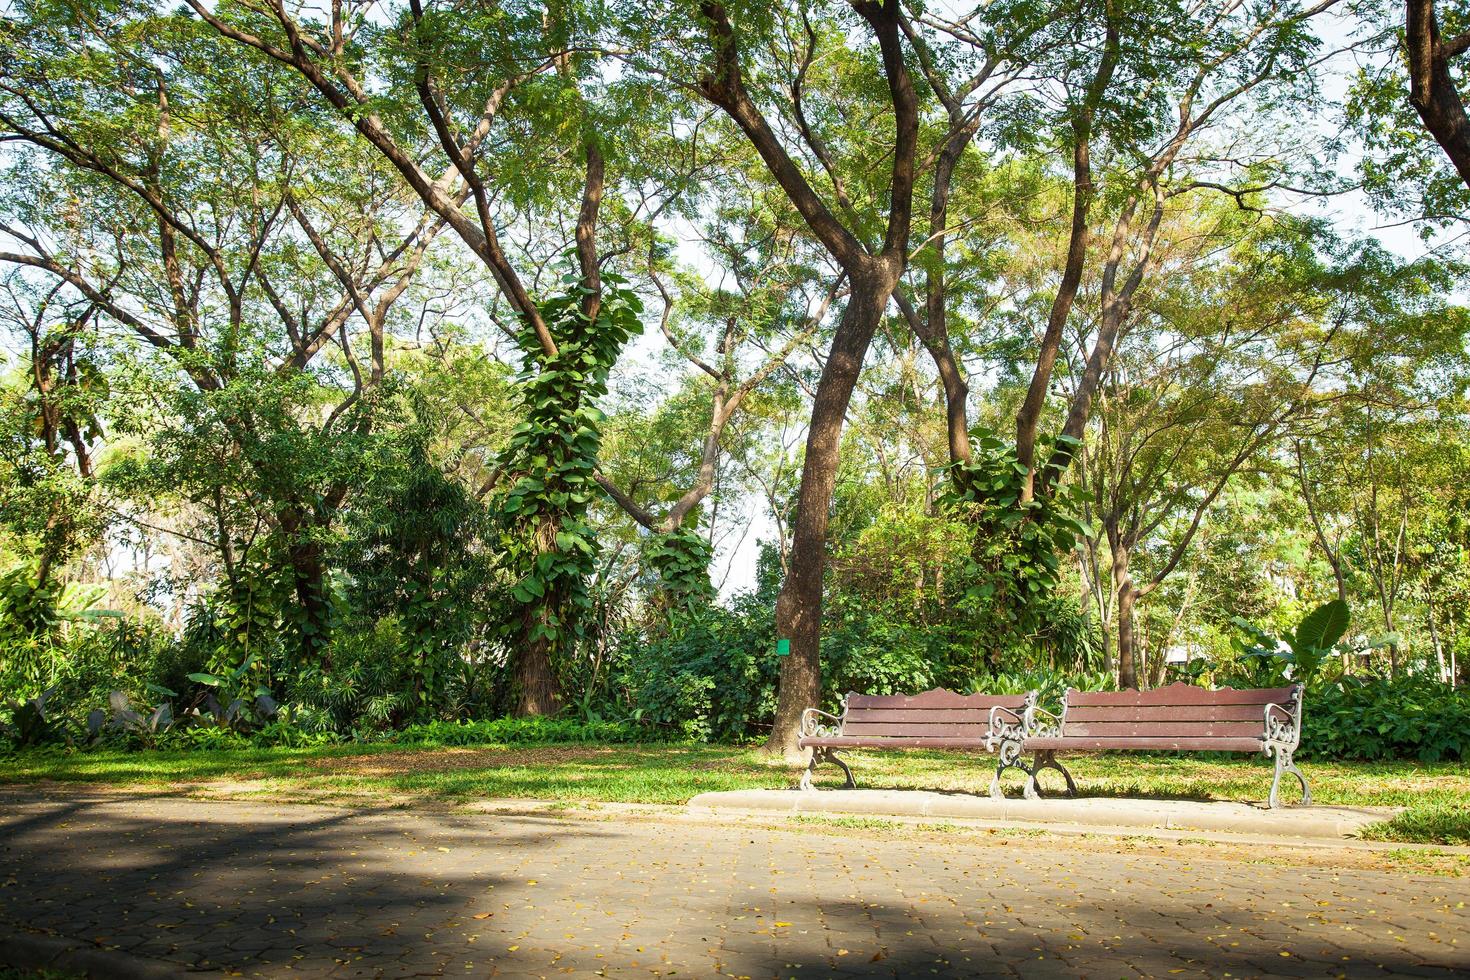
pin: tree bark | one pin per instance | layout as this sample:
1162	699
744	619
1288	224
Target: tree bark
1432	90
799	605
933	328
1126	596
1028	418
872	279
310	579
536	688
1438	647
308	572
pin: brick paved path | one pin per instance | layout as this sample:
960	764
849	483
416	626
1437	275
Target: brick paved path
269	890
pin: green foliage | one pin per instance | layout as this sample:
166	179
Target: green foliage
1434	823
32	724
681	559
1322	628
373	684
1265	661
551	456
414	551
1014	565
710	675
282	733
1379	718
1404	170
523	731
1050	685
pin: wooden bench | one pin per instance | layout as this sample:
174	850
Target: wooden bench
1180	717
936	719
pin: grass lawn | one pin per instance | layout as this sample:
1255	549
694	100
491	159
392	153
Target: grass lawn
1438	795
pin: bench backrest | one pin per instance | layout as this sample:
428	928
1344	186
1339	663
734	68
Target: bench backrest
937	714
1179	710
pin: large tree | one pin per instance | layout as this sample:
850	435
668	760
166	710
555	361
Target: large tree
867	237
166	187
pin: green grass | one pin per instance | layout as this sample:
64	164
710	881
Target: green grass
1437	795
1436	823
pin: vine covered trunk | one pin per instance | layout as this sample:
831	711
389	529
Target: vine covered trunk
552	455
537	689
306	566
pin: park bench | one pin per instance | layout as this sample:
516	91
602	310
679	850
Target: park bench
936	719
1180	717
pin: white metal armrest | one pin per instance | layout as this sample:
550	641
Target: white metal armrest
809	720
1032	712
998	725
1285	728
1000	707
1290	716
1003	729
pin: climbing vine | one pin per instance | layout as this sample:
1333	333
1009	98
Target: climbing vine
551	458
681	558
1014	565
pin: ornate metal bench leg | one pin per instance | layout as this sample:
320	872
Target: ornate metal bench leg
1284	764
1050	762
806	776
1031	790
832	757
822	754
1047	760
1007	757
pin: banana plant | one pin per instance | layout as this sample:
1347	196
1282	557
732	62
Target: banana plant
1300	655
249	704
30	725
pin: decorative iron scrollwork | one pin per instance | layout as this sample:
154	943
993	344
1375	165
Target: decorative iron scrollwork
1283	735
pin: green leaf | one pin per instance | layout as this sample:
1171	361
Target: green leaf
1323	627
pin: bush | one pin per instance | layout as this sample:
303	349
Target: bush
277	734
521	731
712	676
88	662
1374	718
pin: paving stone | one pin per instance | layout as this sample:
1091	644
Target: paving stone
275	890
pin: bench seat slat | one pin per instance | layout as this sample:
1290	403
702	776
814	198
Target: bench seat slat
1180	694
1166	729
920	716
890	742
934	699
1169	712
1085	743
974	729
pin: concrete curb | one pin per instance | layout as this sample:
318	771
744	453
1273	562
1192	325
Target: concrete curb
30	951
1336	823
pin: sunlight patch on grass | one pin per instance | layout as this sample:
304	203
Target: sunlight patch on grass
1436	794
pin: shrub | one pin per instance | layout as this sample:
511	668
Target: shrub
712	676
90	661
1376	718
1050	685
520	731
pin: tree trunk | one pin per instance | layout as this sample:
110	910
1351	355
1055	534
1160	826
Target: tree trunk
1126	596
537	691
310	576
1028	419
1439	662
799	606
1432	89
1393	646
309	582
535	685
